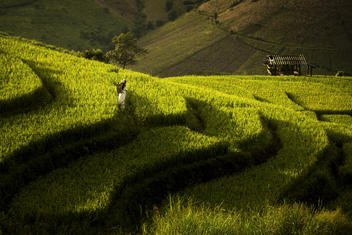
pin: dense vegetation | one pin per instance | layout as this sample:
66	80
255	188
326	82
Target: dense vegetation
218	154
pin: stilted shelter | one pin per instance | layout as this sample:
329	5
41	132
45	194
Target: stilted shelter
287	65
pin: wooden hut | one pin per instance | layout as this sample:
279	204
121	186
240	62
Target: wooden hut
287	65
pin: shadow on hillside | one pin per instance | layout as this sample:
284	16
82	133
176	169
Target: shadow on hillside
291	97
322	182
139	195
36	100
25	104
46	74
136	196
260	99
143	189
40	157
318	113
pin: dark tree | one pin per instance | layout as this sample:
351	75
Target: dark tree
169	5
93	54
172	15
126	50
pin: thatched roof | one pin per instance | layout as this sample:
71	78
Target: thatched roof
285	60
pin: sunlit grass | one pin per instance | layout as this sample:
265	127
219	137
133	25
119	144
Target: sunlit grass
188	218
170	124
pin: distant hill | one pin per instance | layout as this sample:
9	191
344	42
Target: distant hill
122	9
187	37
75	24
83	24
155	10
244	32
143	16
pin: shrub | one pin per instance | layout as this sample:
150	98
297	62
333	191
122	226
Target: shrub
150	25
189	8
140	24
93	54
340	73
172	15
314	189
159	23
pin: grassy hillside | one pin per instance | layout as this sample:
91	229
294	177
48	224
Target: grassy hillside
145	15
217	154
85	24
155	10
176	42
159	10
321	30
76	25
125	10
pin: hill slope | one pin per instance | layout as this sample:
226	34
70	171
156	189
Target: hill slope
84	24
239	146
155	10
321	30
79	25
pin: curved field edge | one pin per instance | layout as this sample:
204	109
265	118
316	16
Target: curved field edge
147	121
290	117
78	98
229	118
254	191
238	203
20	87
322	95
135	187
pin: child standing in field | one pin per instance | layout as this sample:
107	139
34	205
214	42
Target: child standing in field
121	91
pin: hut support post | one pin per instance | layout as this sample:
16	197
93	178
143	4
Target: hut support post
310	70
299	70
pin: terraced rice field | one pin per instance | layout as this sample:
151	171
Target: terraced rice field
221	154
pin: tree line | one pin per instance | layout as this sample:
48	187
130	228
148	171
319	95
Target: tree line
124	53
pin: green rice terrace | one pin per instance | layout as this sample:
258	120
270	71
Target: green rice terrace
188	155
